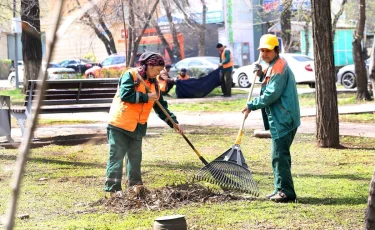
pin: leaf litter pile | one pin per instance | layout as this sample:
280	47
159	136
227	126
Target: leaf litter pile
167	197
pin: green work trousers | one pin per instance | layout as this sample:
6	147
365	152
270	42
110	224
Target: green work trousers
226	81
281	164
121	145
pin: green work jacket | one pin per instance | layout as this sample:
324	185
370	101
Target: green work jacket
279	99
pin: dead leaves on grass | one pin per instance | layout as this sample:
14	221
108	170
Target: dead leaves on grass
167	197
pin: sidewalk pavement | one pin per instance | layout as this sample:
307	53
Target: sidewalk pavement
224	119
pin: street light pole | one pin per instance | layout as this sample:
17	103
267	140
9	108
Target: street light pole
15	44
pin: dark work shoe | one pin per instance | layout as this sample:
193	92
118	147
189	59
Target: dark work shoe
280	197
270	195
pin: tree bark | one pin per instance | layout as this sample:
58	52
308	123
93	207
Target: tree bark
326	95
359	62
202	31
176	43
131	32
372	68
31	40
370	212
286	28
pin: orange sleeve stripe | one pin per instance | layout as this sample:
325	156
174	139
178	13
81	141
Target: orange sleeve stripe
278	67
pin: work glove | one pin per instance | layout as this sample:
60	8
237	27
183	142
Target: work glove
258	70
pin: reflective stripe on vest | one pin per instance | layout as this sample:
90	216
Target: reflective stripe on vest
127	115
231	61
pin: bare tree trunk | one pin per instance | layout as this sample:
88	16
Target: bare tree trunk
131	32
107	40
336	18
31	39
307	33
359	62
176	43
124	22
327	121
370	212
202	31
286	28
163	40
148	17
372	68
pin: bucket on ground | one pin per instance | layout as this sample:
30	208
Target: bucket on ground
174	222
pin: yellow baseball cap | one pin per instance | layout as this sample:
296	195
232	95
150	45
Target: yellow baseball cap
268	41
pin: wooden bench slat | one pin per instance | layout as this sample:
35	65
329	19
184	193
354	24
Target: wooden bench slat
78	102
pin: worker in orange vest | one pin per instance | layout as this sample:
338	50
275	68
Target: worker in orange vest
166	83
183	75
127	124
227	63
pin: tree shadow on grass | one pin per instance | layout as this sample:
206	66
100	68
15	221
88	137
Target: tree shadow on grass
174	166
54	161
323	176
333	200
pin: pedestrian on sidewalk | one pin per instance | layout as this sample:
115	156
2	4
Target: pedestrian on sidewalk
166	83
127	124
279	99
227	63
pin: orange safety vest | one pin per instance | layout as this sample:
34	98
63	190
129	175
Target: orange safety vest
127	115
183	78
231	62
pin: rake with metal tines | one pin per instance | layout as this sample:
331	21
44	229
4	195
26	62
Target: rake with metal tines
230	167
221	177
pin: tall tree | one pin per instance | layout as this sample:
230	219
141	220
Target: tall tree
31	39
326	97
202	31
172	27
286	28
96	17
359	62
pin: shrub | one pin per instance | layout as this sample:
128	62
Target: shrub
113	73
5	65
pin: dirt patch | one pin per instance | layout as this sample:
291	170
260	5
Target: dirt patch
167	197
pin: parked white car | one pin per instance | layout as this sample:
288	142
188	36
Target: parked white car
301	65
55	71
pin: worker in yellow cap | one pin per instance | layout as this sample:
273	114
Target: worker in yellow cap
279	101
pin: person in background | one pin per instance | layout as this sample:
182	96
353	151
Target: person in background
183	75
227	63
166	83
279	99
127	123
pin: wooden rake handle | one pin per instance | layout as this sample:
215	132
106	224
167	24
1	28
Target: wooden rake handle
172	121
240	132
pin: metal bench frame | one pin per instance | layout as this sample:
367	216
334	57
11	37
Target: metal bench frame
68	96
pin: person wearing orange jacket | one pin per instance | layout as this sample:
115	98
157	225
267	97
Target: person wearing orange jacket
166	83
227	63
183	75
127	124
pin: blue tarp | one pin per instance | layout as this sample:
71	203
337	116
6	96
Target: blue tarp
193	88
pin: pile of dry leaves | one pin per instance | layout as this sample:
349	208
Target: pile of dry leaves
165	198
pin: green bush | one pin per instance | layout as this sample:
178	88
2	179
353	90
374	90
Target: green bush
196	72
90	56
112	73
5	65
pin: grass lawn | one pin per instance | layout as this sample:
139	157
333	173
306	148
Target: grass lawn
61	182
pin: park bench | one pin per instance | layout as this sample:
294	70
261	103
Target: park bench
68	96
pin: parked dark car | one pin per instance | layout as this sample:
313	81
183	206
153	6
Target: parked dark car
79	65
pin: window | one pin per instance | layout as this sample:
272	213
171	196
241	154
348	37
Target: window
182	64
118	60
107	61
195	63
214	60
72	62
302	58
